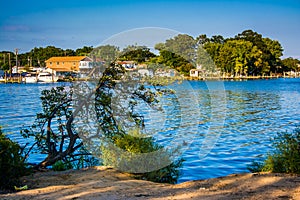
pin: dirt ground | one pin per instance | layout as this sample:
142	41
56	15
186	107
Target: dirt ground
107	183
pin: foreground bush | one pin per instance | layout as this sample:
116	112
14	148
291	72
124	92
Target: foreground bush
286	155
134	153
12	165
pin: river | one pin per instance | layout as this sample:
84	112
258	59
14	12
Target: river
250	114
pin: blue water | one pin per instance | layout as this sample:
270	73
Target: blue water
236	120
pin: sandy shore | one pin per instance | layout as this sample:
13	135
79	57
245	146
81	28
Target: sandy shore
107	183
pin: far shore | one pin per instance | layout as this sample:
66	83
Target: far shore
239	77
107	183
206	78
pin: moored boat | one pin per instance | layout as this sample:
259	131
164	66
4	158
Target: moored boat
46	77
30	78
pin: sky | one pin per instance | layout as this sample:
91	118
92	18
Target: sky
72	24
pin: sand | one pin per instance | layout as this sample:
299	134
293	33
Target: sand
107	183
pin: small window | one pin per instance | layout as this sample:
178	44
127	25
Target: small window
57	63
50	63
63	63
74	63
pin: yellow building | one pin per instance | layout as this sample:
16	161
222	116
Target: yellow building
68	63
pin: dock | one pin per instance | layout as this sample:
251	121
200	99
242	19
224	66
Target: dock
11	79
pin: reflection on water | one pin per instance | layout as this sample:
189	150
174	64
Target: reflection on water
253	112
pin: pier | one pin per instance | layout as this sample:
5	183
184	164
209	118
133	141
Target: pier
11	79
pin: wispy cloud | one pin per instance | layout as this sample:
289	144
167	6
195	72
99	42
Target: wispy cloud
14	28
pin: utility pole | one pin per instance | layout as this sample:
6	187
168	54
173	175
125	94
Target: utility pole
16	52
29	61
9	63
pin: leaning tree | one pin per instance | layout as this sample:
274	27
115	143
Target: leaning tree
105	119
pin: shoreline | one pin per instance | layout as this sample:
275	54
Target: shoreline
108	183
188	78
238	78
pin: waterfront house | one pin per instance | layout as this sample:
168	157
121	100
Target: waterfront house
128	65
198	72
69	64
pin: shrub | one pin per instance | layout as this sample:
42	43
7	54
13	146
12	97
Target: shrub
78	163
61	166
133	154
286	155
12	165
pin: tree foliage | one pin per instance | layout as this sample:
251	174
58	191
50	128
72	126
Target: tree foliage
183	45
107	53
124	144
140	54
291	64
38	55
271	50
84	51
12	163
41	54
202	39
5	63
53	131
178	52
173	60
248	53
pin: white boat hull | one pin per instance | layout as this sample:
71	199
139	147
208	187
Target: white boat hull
30	79
47	78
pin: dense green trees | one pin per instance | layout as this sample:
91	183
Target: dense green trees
84	51
235	56
178	53
5	60
271	51
107	53
248	53
290	64
173	60
183	45
139	54
37	56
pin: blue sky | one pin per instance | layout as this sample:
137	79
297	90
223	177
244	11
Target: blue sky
77	23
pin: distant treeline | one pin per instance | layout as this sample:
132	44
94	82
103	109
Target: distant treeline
37	56
247	53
